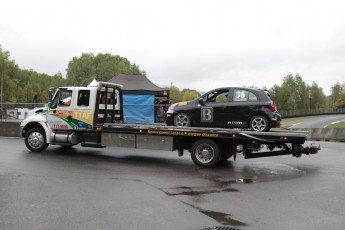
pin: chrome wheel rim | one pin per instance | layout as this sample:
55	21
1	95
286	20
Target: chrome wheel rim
182	120
259	124
36	140
204	153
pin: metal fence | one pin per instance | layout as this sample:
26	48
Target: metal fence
17	111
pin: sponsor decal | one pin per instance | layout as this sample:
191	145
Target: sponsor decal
58	126
181	133
182	103
80	124
237	123
83	116
64	112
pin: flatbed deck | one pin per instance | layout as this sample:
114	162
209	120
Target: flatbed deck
278	135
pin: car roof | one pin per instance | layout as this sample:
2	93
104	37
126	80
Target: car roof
262	92
244	88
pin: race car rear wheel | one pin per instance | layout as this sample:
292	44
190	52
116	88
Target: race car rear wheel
259	123
182	120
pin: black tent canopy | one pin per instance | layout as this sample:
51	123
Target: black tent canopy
139	84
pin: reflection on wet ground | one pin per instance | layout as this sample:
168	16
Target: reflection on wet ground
222	218
189	191
223	180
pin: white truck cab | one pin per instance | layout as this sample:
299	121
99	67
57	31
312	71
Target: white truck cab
71	111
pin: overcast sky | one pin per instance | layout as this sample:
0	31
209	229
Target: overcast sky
200	44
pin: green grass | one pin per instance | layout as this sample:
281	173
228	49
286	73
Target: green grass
338	125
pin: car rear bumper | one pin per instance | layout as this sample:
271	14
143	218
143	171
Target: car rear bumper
276	121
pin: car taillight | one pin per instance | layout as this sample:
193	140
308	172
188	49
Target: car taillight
283	138
273	106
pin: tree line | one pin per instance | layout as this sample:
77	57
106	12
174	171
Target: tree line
296	95
21	85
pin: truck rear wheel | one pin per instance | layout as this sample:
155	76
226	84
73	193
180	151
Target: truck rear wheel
35	140
205	153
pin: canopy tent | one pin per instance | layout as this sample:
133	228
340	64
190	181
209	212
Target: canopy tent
139	84
138	97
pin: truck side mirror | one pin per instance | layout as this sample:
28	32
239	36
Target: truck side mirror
50	95
202	101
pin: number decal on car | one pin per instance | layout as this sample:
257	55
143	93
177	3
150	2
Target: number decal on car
207	114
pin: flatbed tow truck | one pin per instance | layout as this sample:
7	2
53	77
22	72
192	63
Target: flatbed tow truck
93	117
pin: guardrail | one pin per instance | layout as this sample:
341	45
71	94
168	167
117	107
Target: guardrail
324	134
311	112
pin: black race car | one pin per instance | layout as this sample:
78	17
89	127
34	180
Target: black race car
232	107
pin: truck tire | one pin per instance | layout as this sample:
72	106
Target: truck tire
35	140
205	153
225	153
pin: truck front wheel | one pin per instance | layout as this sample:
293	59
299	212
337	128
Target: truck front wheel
205	153
35	140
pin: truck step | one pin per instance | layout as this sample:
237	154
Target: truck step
92	145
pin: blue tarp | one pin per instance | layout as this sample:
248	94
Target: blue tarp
138	108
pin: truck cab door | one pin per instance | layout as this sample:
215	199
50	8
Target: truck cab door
84	104
60	111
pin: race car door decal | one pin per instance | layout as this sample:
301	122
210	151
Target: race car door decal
206	114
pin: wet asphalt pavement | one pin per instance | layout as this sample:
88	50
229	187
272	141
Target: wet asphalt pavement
85	188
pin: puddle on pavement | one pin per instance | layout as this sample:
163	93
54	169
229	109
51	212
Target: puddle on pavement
255	172
245	181
189	191
197	191
220	181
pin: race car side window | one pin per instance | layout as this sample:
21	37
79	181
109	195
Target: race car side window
244	95
252	97
218	96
